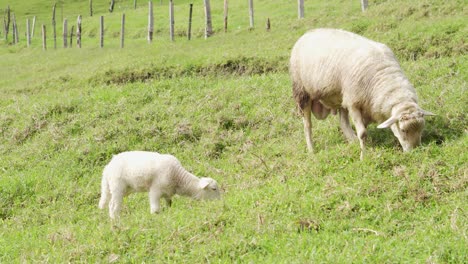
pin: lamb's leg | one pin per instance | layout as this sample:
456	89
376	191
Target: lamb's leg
104	193
306	119
154	197
115	204
346	126
360	128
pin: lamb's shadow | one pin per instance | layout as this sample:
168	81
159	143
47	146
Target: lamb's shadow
437	130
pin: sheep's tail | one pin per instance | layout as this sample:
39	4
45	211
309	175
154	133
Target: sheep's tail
301	96
105	192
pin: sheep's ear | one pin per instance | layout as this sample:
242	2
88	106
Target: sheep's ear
427	113
388	123
204	182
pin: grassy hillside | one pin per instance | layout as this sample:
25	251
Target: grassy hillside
223	106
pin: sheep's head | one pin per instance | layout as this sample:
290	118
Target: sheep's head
407	126
208	189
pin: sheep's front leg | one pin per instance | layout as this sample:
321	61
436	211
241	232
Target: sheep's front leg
154	197
346	126
306	119
360	129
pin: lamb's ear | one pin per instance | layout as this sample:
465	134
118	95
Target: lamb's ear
427	113
388	122
204	182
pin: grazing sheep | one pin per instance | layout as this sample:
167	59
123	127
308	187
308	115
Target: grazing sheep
161	175
334	70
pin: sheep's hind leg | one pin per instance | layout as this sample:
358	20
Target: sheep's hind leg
360	128
168	201
105	193
346	126
306	119
154	197
116	200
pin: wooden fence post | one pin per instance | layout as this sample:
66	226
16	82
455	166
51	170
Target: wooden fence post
78	32
251	14
111	7
134	4
364	5
268	25
71	36
4	26
33	26
122	31
44	42
101	32
6	22
150	21
171	19
225	15
54	26
90	7
208	26
65	33
15	29
300	9
189	32
28	33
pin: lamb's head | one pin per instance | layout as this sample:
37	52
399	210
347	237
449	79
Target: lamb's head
208	189
407	125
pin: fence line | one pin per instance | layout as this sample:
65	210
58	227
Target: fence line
9	18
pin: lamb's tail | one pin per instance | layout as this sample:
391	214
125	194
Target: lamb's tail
105	192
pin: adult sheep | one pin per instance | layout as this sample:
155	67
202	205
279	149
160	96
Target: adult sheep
161	175
336	70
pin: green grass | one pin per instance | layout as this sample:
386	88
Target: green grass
224	107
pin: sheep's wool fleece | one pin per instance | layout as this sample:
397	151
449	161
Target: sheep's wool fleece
340	68
141	169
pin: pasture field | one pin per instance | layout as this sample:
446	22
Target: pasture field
224	107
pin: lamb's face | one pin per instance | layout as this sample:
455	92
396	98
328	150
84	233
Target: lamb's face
409	129
209	189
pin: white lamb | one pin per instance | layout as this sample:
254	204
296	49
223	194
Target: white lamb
334	70
161	175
